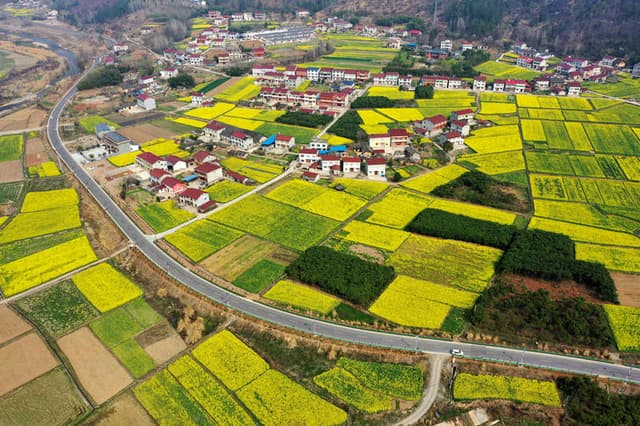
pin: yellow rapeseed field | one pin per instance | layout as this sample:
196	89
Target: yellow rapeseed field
45	200
303	297
40	267
625	324
190	122
615	258
209	113
400	309
587	234
475	211
105	287
230	360
430	181
374	235
397	208
370	117
469	386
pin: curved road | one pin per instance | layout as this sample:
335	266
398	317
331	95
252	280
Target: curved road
310	325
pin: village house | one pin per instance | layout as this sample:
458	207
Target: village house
436	54
237	177
635	73
175	164
202	157
115	143
102	129
168	73
148	160
574	89
195	59
467	45
156	175
386	79
461	126
432	126
454	137
213	131
541	83
209	173
479	83
170	186
446	45
146	102
197	99
350	166
399	139
310	176
376	168
308	156
329	163
320	144
284	143
120	47
241	140
380	141
194	198
463	114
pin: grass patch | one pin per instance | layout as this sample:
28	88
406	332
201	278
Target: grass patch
164	215
202	238
259	276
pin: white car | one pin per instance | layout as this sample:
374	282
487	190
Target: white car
456	352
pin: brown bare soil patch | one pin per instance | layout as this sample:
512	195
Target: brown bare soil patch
557	291
124	411
628	286
26	118
36	152
238	256
165	349
142	133
11	171
98	370
24	360
12	324
367	253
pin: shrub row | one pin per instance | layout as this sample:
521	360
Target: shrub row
304	119
343	275
348	125
439	223
372	102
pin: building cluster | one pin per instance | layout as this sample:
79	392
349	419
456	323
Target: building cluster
321	160
459	127
265	74
544	83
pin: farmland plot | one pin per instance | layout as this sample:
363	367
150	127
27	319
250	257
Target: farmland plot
556	135
105	287
430	181
468	386
615	258
532	130
398	207
578	136
302	297
346	387
583	214
544	162
202	238
613	139
496	163
586	234
164	215
625	325
630	166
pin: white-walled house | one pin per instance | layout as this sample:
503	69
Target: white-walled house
376	168
209	173
146	102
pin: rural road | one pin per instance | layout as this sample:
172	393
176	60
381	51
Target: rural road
311	325
430	395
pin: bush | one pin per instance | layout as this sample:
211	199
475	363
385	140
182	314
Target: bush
572	321
596	276
443	224
539	254
343	275
372	102
182	80
424	92
348	125
304	119
478	188
107	75
588	403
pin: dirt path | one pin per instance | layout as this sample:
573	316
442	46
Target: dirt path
431	392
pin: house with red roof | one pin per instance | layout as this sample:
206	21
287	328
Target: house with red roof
213	131
209	173
479	83
156	175
148	160
168	73
284	142
454	137
203	157
463	114
237	177
350	166
328	163
399	139
432	126
146	102
170	186
379	141
175	164
308	156
240	140
376	168
310	176
193	197
461	126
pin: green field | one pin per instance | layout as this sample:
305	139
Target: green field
164	215
11	147
277	222
134	358
344	386
623	88
169	403
501	70
227	190
11	192
58	309
90	122
259	276
58	402
612	139
303	135
202	238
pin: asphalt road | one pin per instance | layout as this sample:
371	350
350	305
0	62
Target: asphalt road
314	326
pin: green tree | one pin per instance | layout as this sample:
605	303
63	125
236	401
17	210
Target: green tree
424	92
182	80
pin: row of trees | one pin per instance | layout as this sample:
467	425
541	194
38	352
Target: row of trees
439	223
344	275
304	119
347	126
535	315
